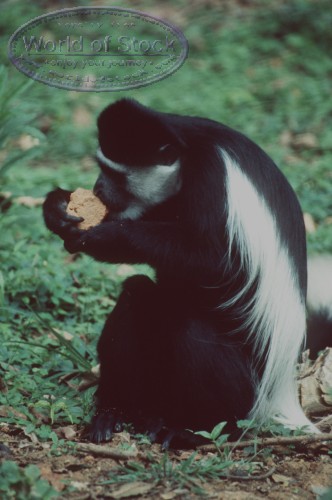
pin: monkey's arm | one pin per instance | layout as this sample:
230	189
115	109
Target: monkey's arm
159	244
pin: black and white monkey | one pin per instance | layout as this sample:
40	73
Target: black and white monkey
217	335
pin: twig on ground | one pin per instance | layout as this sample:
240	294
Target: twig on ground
249	477
274	441
106	451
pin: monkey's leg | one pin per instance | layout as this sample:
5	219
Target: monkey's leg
128	351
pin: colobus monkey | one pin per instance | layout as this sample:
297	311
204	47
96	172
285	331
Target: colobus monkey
217	335
319	303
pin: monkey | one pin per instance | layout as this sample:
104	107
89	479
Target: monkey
217	334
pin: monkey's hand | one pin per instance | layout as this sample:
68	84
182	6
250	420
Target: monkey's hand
60	222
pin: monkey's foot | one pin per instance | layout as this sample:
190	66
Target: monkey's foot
106	422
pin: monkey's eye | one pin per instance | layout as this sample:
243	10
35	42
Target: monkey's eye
167	154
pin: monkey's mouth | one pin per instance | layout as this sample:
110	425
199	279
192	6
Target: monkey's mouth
111	203
116	200
100	196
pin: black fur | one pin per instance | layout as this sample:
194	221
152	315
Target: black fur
168	359
319	333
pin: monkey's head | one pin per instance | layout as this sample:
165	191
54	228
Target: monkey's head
139	158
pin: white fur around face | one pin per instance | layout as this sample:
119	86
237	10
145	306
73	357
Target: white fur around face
117	167
153	185
150	186
275	318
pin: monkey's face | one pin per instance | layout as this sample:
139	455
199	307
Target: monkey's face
139	158
129	192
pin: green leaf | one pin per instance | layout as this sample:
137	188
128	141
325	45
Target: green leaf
204	434
217	430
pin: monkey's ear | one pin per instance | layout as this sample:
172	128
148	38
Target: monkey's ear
168	154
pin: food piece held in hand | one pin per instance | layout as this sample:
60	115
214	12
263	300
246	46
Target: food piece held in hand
83	203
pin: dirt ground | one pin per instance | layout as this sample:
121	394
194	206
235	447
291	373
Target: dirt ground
285	473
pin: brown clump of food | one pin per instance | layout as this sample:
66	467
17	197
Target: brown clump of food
83	203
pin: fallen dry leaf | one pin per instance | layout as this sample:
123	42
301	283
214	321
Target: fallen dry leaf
280	478
310	224
134	489
27	141
29	201
315	383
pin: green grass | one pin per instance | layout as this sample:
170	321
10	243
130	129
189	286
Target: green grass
265	71
23	484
